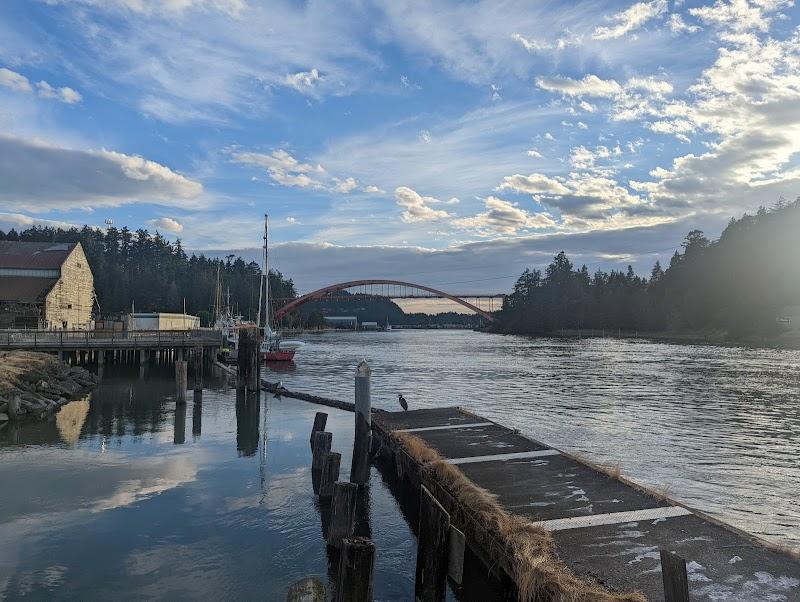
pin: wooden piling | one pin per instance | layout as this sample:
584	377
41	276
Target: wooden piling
13	407
198	369
456	544
343	512
179	425
247	356
320	447
432	549
308	589
320	420
359	470
330	474
673	573
356	568
181	381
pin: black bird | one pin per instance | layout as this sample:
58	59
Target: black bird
403	402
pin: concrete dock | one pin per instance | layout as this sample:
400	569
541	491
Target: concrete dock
606	530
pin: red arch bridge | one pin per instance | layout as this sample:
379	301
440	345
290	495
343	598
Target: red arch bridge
396	289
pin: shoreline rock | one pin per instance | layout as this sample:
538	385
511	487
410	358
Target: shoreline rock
41	383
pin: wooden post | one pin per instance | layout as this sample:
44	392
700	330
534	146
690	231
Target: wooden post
320	420
343	512
330	474
181	381
179	426
673	573
432	549
320	447
359	470
13	407
308	589
247	357
197	414
198	369
356	567
455	557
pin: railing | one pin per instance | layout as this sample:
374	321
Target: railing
73	339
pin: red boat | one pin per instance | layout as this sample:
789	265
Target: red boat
281	355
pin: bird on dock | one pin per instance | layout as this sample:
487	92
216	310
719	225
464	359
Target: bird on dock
403	402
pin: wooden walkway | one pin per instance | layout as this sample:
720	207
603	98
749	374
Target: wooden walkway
604	528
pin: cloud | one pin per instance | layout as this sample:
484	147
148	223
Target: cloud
740	15
504	217
535	183
590	85
167	223
19	83
303	81
678	25
49	176
163	8
345	186
64	94
19	221
534	153
13	80
282	168
373	190
416	207
631	19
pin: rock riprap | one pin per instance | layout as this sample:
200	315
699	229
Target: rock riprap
34	385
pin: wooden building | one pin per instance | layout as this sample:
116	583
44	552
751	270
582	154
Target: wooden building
45	285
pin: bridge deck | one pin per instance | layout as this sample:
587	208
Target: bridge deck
604	528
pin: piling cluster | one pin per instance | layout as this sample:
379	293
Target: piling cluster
36	385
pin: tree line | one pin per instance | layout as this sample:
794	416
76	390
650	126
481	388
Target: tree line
144	271
738	285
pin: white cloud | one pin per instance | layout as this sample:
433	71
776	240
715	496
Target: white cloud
167	223
291	220
373	190
64	94
631	19
164	8
14	80
504	217
535	183
649	84
740	15
534	153
589	108
581	125
678	25
590	85
19	221
416	207
303	81
282	168
345	186
48	176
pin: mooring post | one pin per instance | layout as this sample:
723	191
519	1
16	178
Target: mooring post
308	589
359	470
356	567
179	426
343	512
181	381
320	448
247	356
197	414
432	549
330	474
13	407
673	573
320	420
198	369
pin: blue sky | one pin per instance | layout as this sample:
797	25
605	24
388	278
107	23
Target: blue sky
451	142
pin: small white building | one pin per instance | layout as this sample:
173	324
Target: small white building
161	321
369	326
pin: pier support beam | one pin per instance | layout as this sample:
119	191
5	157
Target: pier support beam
356	566
343	513
330	474
181	381
320	420
198	368
248	375
359	471
432	549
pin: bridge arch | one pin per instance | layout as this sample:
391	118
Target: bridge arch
320	293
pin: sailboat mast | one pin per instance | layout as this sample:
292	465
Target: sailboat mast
266	274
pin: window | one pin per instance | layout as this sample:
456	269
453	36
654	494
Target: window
69	305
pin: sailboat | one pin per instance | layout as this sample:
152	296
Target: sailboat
226	322
273	347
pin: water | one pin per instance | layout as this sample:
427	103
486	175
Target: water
127	493
718	428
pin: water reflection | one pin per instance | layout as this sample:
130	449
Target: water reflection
197	414
179	424
248	408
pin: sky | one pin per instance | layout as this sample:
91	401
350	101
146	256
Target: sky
446	143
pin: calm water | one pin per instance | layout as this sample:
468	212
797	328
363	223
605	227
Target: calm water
125	493
719	428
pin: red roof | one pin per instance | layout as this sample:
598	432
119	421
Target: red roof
34	255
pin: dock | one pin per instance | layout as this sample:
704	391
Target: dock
607	531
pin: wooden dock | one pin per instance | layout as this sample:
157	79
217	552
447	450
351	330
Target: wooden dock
606	530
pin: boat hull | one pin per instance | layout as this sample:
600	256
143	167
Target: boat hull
282	355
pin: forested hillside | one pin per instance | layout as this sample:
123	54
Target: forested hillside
146	271
738	285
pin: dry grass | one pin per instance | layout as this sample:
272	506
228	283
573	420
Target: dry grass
536	569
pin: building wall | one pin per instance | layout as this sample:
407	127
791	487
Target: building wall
69	304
